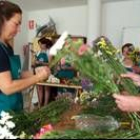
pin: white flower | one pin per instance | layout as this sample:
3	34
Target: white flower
99	53
4	117
53	51
5	126
10	124
22	135
61	41
2	135
59	44
76	100
4	114
4	131
10	136
94	99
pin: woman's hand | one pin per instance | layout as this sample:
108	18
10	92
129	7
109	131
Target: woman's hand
42	72
132	76
127	103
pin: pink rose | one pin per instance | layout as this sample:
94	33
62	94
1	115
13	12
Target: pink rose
82	49
43	130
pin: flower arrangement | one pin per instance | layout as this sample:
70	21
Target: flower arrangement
101	64
7	125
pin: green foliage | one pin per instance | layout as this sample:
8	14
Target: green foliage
30	123
104	71
103	68
76	134
105	106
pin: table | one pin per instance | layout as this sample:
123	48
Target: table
60	85
77	87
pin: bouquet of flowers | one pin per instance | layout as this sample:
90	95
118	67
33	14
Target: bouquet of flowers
101	64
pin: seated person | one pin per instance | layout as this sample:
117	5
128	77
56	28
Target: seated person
42	58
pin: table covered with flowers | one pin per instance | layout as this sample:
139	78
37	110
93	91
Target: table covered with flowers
100	64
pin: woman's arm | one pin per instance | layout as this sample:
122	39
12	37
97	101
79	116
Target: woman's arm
134	77
127	103
27	74
9	86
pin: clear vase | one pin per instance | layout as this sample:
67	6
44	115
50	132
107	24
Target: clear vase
89	122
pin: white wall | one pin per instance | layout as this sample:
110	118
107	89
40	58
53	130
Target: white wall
117	15
22	37
72	19
132	35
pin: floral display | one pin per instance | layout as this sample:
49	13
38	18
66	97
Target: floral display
102	66
99	70
53	79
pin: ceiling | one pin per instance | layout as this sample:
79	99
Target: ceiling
31	5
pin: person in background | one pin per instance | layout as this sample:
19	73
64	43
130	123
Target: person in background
12	79
128	62
42	59
127	49
65	72
129	103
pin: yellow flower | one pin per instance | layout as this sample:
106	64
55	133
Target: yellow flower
109	52
102	43
117	51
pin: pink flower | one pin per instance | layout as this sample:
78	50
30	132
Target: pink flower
43	130
37	136
48	127
82	49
